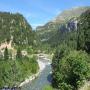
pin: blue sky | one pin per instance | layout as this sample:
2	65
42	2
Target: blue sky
38	12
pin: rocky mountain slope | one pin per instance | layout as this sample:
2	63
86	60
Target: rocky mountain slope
65	21
15	27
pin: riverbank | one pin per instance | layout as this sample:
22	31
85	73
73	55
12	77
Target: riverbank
28	80
42	66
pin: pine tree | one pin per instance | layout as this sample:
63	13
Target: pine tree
6	55
83	41
19	54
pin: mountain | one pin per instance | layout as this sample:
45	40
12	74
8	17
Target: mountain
17	61
71	39
68	14
15	27
67	19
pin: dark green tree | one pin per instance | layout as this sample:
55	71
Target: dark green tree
83	40
71	70
19	54
6	55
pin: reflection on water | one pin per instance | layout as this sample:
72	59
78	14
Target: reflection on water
49	78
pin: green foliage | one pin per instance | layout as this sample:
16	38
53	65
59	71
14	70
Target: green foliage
65	86
48	87
15	27
12	72
71	70
61	30
31	50
83	41
19	54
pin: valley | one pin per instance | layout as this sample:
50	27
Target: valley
55	56
44	77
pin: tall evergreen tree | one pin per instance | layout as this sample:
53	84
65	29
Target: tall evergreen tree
6	55
83	41
19	54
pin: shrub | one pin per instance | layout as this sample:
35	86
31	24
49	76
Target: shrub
71	70
48	87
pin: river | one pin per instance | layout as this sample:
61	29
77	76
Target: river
42	80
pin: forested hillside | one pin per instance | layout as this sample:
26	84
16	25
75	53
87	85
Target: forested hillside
71	65
15	26
68	37
17	61
62	18
64	26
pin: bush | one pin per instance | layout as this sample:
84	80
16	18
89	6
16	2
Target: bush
48	87
61	51
65	86
71	70
12	72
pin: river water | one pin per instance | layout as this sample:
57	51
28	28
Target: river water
41	81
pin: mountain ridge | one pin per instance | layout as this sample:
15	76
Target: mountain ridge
16	26
67	17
